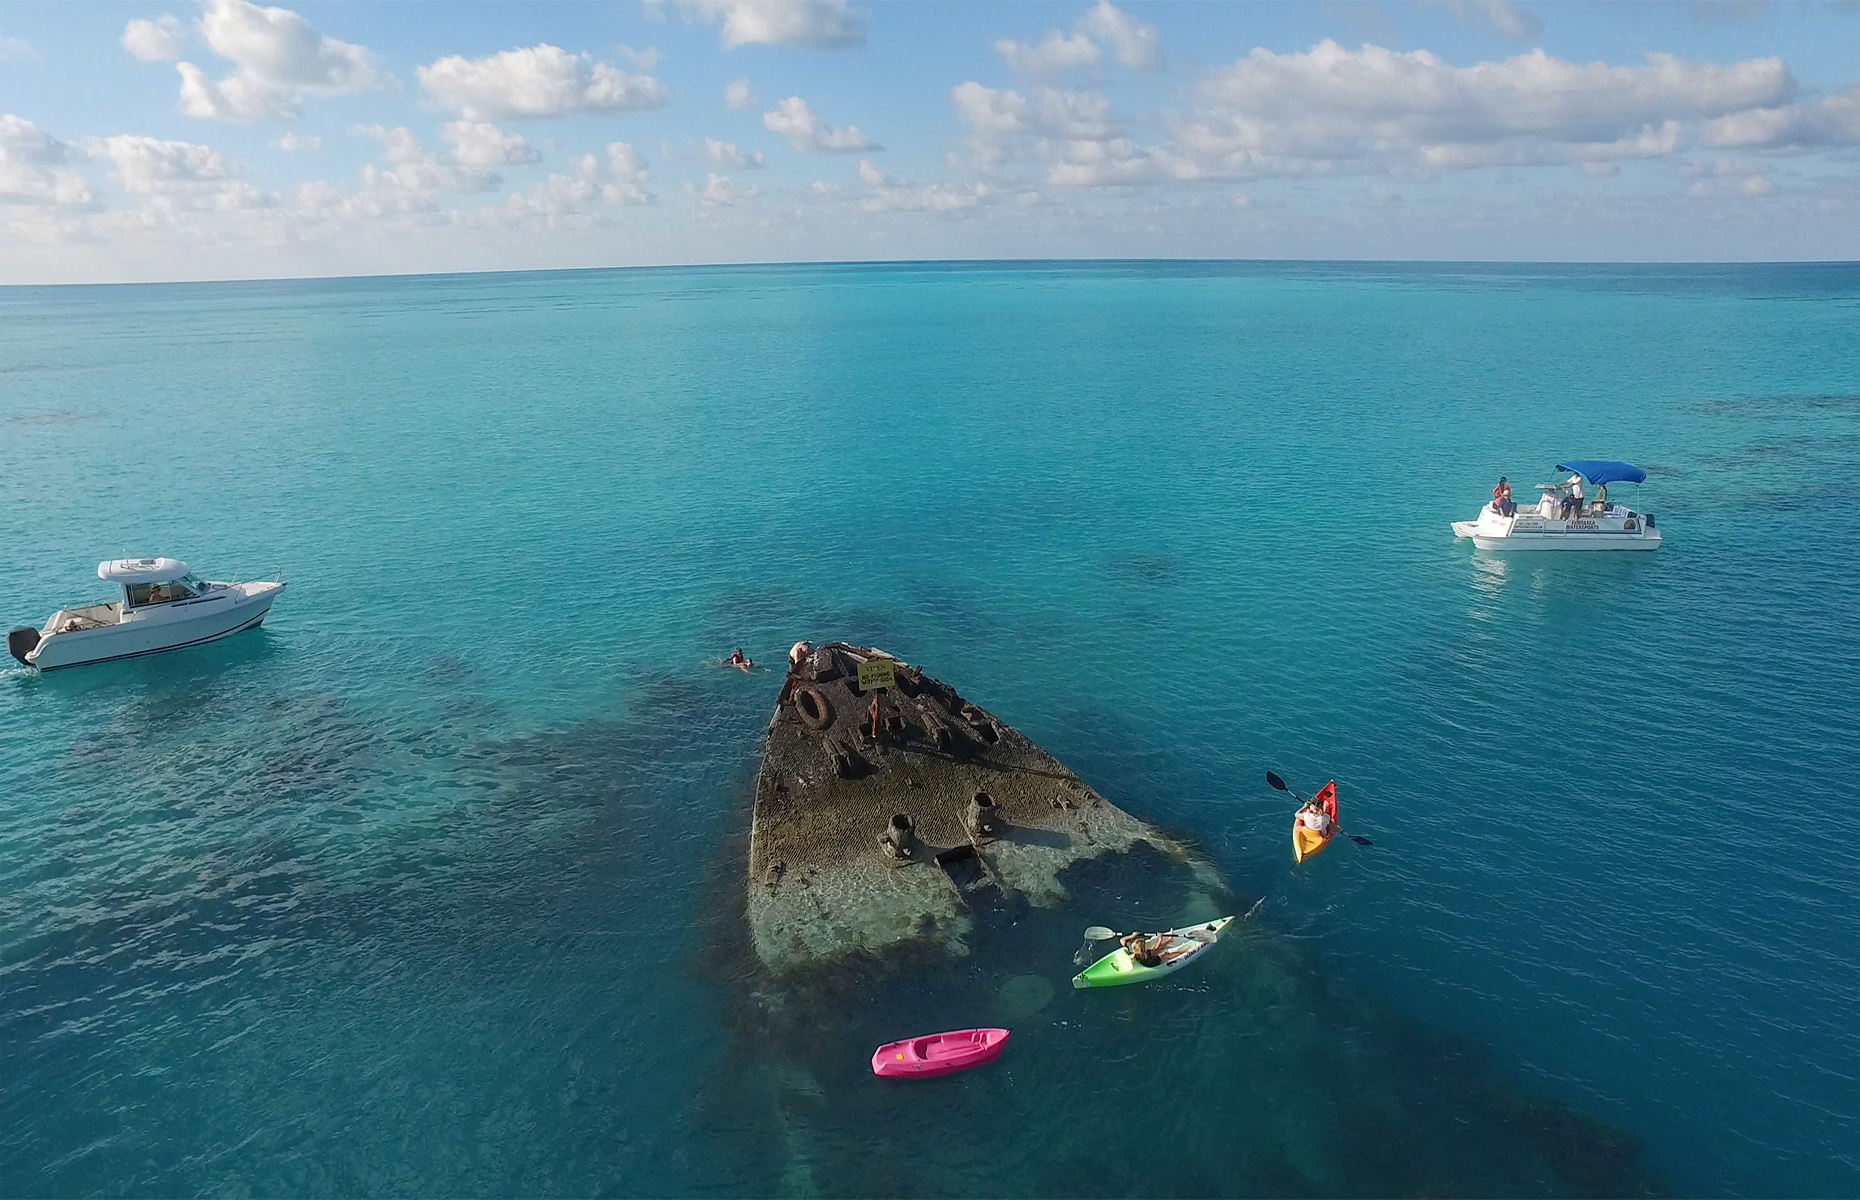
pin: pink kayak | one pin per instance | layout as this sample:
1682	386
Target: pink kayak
938	1054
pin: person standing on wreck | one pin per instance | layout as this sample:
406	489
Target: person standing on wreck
876	713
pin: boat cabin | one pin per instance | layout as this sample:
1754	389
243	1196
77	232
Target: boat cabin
147	581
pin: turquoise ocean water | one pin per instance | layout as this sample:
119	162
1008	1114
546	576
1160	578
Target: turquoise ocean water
433	884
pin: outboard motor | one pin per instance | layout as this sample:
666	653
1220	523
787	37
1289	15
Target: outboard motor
900	837
20	642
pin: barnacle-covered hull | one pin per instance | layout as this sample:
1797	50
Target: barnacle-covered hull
888	815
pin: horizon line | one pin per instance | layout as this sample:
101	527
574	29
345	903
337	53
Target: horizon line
924	262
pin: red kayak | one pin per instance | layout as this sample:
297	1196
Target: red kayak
938	1054
1306	842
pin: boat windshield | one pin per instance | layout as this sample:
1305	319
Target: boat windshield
141	594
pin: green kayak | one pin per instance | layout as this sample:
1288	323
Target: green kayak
1183	946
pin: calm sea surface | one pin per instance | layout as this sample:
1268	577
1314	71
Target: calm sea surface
433	884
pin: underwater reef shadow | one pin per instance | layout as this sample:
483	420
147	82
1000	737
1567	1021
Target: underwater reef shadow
1258	1071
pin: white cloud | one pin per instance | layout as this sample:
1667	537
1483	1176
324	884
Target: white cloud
278	60
23	142
719	192
1751	178
1133	43
1330	110
1373	109
736	94
407	192
1504	16
1056	52
296	143
540	81
1830	121
146	164
482	144
794	120
584	197
31	170
176	176
236	98
414	176
726	154
154	41
991	111
886	193
828	24
1333	102
1075	114
627	170
645	59
1071	134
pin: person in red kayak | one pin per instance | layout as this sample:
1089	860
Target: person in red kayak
1501	499
1314	818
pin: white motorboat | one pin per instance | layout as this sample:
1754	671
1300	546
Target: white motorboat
163	607
1559	522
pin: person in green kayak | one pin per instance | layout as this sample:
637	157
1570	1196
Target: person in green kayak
1142	951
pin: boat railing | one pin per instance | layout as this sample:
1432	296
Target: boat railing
79	616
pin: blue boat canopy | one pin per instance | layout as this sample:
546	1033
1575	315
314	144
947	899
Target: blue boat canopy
1599	473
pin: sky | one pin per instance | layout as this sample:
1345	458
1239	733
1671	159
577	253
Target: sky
223	139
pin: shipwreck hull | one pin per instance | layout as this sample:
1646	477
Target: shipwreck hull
992	819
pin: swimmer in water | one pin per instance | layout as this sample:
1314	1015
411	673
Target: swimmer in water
738	661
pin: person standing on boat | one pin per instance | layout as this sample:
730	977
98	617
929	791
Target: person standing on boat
1501	499
1575	494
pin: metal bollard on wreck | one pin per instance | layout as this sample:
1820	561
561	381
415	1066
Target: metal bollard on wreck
900	837
984	816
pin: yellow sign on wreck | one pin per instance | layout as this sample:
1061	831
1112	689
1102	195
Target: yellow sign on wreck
877	673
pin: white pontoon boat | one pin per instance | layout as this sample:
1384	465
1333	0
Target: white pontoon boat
1561	520
163	607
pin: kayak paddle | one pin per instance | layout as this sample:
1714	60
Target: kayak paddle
1276	782
1093	935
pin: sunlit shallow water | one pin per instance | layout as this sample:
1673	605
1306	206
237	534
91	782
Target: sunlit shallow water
432	885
